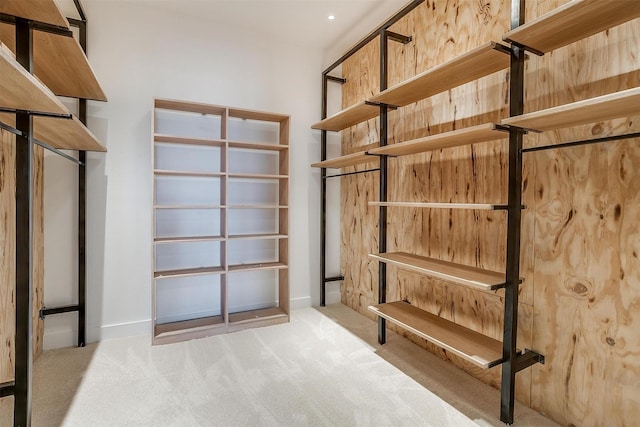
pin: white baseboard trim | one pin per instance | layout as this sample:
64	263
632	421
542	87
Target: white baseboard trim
302	302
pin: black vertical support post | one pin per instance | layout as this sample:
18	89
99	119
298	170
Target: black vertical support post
323	199
24	241
382	220
82	212
516	107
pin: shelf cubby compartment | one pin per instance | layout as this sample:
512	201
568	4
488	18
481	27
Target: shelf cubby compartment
573	21
188	272
165	333
610	106
432	205
347	160
348	117
456	138
466	343
480	62
471	277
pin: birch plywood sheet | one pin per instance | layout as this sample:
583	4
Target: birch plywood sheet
7	255
38	248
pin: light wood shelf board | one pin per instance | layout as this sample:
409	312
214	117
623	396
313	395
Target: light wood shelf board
472	346
189	206
256	315
189	141
257	236
166	333
459	137
573	21
477	63
257	146
189	107
429	205
46	11
188	239
346	160
610	106
66	134
256	115
257	207
472	277
256	176
258	266
162	172
22	91
353	115
188	272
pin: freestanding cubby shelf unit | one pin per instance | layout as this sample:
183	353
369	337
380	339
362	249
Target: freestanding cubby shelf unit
544	34
220	219
39	59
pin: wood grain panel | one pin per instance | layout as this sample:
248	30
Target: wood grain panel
38	249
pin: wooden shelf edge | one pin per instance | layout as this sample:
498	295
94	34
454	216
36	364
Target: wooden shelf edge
167	274
471	277
587	17
256	236
250	316
466	343
456	138
171	139
346	160
166	333
188	107
348	117
257	266
255	176
257	146
161	240
470	206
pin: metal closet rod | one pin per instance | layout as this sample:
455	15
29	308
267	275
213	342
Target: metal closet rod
583	142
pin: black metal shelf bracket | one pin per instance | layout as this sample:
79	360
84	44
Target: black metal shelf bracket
335	79
44	311
524	47
583	142
400	38
334	279
7	389
36	113
528	358
351	173
37	25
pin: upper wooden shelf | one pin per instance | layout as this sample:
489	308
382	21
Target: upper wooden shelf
257	115
472	277
189	141
466	136
188	272
348	117
60	63
66	134
346	160
431	205
259	266
37	10
22	91
479	62
573	21
189	107
257	146
611	106
472	346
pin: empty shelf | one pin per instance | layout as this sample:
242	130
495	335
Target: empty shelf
348	117
68	134
256	176
456	138
22	91
429	205
189	206
257	315
182	140
259	266
573	21
163	172
60	63
188	272
472	346
472	277
166	333
257	207
257	236
346	160
479	62
257	146
257	115
37	10
190	107
187	239
611	106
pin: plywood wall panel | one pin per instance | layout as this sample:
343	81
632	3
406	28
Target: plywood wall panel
38	249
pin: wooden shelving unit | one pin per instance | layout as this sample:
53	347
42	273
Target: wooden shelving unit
432	205
472	346
457	273
573	21
348	117
214	215
486	59
346	160
611	106
456	138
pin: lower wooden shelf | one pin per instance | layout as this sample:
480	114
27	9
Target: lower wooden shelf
188	272
472	277
260	266
346	160
472	346
166	333
257	318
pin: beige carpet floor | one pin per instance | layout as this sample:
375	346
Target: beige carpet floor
309	372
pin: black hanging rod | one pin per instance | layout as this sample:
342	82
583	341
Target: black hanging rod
44	311
37	25
527	48
583	142
381	104
340	80
36	113
333	279
400	38
42	144
7	389
528	358
350	173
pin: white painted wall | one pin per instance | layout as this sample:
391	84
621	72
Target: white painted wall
138	53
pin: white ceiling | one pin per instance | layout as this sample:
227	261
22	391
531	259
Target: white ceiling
302	22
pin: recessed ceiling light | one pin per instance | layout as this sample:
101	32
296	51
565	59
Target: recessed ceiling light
331	17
